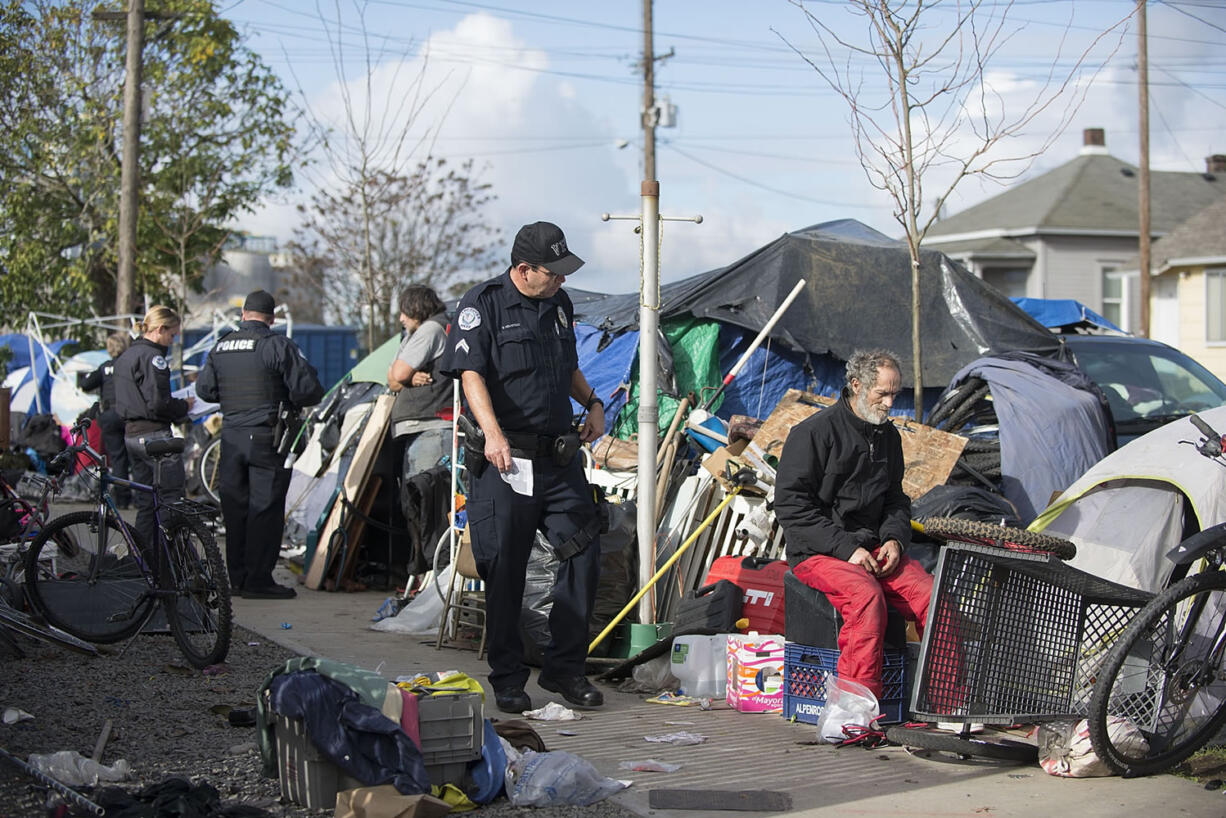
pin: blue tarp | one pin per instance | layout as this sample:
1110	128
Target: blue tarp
1062	312
37	378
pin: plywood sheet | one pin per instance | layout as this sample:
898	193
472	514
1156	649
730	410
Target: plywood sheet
929	453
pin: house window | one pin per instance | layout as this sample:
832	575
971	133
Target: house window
1116	301
1215	305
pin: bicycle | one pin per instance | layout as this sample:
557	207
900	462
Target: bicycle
89	573
1165	673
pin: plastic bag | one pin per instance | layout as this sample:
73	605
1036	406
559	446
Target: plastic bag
847	702
656	674
1065	749
75	770
557	777
423	614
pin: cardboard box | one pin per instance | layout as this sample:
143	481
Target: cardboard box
717	461
755	673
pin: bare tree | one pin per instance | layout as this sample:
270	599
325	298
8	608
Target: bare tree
939	120
384	207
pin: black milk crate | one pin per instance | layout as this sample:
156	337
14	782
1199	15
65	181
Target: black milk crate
1014	638
806	670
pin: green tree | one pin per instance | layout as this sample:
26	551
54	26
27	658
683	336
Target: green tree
217	137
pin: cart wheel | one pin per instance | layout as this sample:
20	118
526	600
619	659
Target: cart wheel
999	536
943	741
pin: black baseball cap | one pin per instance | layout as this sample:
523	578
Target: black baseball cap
260	301
543	244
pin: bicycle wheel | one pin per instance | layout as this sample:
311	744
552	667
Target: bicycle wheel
208	467
85	579
974	744
1000	536
19	622
1162	676
199	610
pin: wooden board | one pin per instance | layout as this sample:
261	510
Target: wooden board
355	526
929	454
351	486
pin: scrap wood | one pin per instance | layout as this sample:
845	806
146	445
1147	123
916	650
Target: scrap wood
929	453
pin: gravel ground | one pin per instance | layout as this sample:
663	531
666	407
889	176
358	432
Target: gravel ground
168	720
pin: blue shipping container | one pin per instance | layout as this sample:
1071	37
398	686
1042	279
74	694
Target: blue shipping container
333	351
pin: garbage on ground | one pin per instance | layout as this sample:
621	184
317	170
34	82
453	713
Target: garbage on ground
848	703
12	715
1065	749
669	697
552	712
71	768
649	765
681	738
555	778
656	674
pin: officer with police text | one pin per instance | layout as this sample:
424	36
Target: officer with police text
260	378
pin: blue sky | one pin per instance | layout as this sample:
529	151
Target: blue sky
542	94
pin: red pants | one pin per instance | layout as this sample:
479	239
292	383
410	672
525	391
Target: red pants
860	598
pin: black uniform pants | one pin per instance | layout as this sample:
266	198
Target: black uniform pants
116	451
170	480
503	525
253	481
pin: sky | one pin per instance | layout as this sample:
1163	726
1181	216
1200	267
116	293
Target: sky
545	97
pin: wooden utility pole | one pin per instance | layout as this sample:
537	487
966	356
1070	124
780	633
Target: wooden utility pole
1143	186
649	97
129	190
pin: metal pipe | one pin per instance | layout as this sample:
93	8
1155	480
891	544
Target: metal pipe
648	414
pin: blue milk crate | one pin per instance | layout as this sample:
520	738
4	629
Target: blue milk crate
806	669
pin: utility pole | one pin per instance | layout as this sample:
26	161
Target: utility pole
649	97
1143	186
129	188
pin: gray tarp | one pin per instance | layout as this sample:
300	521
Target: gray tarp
1050	432
858	296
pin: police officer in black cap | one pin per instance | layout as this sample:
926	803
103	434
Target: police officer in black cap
513	348
258	377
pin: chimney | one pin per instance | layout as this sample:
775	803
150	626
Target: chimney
1093	141
1216	163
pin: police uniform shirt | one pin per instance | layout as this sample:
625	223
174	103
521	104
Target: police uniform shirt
104	378
142	388
272	364
523	347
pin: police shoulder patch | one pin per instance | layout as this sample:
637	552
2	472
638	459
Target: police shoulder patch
158	362
469	318
561	318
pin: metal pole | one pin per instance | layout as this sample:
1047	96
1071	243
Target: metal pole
129	191
649	411
649	96
1143	183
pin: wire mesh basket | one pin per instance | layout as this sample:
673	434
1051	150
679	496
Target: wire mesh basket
190	508
1014	637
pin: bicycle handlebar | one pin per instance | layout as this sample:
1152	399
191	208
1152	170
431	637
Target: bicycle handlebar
1211	446
78	431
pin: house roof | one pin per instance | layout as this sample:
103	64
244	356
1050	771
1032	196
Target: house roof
1093	192
1201	237
989	247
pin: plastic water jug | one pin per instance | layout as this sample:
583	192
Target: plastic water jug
700	664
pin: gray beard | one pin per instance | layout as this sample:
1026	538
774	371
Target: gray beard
868	413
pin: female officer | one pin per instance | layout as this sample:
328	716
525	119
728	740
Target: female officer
144	402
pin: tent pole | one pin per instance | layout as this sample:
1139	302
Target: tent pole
648	415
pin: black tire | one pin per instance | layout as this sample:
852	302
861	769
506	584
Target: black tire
199	611
208	469
1156	690
975	405
92	589
952	400
1000	536
981	445
976	745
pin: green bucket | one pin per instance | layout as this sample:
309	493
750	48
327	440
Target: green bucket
632	638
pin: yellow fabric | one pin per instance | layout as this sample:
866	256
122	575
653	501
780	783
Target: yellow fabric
455	683
454	796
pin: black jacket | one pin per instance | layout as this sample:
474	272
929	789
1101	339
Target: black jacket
142	389
273	367
101	378
839	486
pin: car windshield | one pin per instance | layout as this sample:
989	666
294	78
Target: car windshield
1146	381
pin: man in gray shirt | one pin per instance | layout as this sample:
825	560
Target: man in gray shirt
422	411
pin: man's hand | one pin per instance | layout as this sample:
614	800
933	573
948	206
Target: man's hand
593	424
888	555
421	379
865	560
498	451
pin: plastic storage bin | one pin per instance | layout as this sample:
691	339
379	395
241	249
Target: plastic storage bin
806	669
700	664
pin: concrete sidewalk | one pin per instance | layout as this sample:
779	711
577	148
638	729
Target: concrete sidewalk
742	751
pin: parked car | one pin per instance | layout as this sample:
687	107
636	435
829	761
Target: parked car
1147	383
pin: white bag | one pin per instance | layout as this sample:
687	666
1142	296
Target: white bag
847	702
1065	749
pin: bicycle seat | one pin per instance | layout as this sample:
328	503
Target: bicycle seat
166	446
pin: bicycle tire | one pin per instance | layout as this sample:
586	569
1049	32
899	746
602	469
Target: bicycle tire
99	594
1000	536
977	745
199	611
24	624
1136	681
951	400
208	467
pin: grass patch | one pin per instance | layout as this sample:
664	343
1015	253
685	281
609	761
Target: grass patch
1207	764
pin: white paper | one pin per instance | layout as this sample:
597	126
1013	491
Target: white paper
519	478
201	407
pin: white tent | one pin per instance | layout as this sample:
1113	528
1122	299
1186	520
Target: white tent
1126	512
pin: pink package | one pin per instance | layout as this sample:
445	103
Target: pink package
755	673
